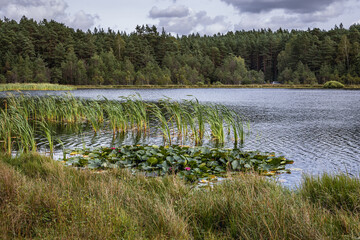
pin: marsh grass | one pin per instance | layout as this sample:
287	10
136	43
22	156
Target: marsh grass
188	120
338	192
34	86
42	199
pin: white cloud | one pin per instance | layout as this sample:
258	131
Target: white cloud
82	20
44	9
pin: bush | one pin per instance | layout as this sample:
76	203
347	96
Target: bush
333	84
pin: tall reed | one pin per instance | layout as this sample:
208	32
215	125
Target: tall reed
186	120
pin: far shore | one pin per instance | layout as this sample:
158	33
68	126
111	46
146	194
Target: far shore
286	86
58	87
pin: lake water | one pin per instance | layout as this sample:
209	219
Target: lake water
318	129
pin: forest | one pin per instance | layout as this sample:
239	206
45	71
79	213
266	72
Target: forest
51	52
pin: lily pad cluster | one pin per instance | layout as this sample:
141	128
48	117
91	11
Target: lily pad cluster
192	163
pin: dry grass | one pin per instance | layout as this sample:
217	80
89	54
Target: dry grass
42	199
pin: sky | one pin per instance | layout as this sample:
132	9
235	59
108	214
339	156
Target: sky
188	16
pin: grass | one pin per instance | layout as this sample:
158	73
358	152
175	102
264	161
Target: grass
333	192
34	86
42	199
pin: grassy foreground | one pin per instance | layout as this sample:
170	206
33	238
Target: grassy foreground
34	86
42	199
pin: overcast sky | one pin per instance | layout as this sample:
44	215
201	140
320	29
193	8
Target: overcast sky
188	16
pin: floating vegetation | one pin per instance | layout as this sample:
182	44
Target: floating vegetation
192	163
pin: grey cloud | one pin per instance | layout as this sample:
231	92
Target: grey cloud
44	9
172	11
83	20
39	9
194	22
298	6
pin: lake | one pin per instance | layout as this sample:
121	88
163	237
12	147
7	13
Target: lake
318	129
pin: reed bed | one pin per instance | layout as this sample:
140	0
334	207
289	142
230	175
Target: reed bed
34	86
188	120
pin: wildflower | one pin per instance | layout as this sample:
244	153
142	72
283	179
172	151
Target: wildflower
112	148
187	168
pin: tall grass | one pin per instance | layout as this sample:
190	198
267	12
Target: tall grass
15	129
186	120
42	199
338	192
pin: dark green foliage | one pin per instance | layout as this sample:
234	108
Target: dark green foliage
48	51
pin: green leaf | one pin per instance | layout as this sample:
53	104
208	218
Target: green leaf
152	161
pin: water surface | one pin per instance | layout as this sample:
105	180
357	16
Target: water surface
318	129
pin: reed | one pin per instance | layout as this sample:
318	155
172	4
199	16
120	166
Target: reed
15	128
46	131
164	126
216	122
177	113
186	120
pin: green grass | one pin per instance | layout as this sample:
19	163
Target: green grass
333	192
42	199
34	86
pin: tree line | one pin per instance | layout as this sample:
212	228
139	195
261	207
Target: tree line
51	52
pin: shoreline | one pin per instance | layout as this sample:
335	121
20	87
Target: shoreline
57	87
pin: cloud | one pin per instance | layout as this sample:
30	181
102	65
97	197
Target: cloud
172	11
44	9
35	9
296	6
83	20
289	18
190	22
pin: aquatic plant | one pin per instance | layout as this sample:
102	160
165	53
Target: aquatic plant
188	120
15	128
191	163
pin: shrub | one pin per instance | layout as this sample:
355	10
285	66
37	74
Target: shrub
333	84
